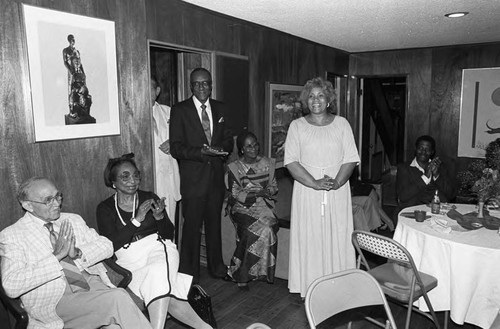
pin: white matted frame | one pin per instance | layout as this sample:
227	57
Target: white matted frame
71	103
282	107
479	111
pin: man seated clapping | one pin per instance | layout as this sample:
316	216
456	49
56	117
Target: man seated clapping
51	260
418	180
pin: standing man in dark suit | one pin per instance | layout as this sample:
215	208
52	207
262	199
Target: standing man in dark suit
200	140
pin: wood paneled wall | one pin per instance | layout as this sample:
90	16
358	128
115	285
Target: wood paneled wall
76	166
434	80
434	77
273	56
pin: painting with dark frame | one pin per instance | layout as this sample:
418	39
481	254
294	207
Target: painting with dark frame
282	107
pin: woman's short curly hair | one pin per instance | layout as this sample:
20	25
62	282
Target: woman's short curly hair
110	172
317	82
240	140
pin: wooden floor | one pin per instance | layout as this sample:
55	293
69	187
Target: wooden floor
273	305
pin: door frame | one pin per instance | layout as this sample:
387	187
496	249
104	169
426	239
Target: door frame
356	97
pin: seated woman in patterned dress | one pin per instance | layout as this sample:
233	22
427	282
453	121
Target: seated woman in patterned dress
252	185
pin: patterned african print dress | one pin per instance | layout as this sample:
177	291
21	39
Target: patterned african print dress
256	224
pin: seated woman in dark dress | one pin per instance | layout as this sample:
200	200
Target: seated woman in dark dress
252	185
137	224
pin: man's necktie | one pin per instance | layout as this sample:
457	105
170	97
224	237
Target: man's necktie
205	122
75	279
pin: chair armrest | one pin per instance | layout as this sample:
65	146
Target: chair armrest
15	307
126	274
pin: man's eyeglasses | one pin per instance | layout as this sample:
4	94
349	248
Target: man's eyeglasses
126	176
251	146
50	200
199	84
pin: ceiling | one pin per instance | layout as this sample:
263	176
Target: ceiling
370	25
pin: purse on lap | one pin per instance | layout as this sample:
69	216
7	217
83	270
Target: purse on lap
201	302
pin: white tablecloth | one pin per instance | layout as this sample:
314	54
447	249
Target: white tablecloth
466	264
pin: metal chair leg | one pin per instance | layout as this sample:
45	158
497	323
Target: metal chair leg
431	310
408	316
446	319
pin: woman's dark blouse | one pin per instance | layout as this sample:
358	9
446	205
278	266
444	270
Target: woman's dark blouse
110	226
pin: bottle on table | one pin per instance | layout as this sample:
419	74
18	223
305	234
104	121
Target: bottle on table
436	203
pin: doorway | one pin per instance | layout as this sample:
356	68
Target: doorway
172	66
382	114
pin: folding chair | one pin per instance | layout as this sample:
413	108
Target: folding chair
15	307
341	291
399	277
121	277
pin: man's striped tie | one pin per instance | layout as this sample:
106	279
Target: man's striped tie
205	122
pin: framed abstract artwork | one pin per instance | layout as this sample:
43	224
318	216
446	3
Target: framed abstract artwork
282	107
479	111
73	74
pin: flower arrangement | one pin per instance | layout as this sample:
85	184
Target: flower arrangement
487	186
482	181
482	176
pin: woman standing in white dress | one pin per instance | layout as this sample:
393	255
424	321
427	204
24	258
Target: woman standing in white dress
321	154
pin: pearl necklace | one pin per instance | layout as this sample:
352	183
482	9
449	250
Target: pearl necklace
118	211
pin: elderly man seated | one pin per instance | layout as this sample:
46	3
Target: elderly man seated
51	260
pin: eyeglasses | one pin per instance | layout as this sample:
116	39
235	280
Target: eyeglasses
126	176
199	84
50	200
252	146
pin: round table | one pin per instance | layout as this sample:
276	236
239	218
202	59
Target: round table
466	264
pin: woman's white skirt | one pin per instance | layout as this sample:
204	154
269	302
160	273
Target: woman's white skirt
154	272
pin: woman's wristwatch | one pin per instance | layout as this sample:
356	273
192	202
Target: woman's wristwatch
135	222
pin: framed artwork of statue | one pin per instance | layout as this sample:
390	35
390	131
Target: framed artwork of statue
73	74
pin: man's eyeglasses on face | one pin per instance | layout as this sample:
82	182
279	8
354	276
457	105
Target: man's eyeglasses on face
199	84
126	176
50	200
252	146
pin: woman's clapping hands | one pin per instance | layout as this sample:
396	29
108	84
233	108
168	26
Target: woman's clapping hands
156	207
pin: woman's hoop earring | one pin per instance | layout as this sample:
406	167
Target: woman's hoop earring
328	105
114	186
